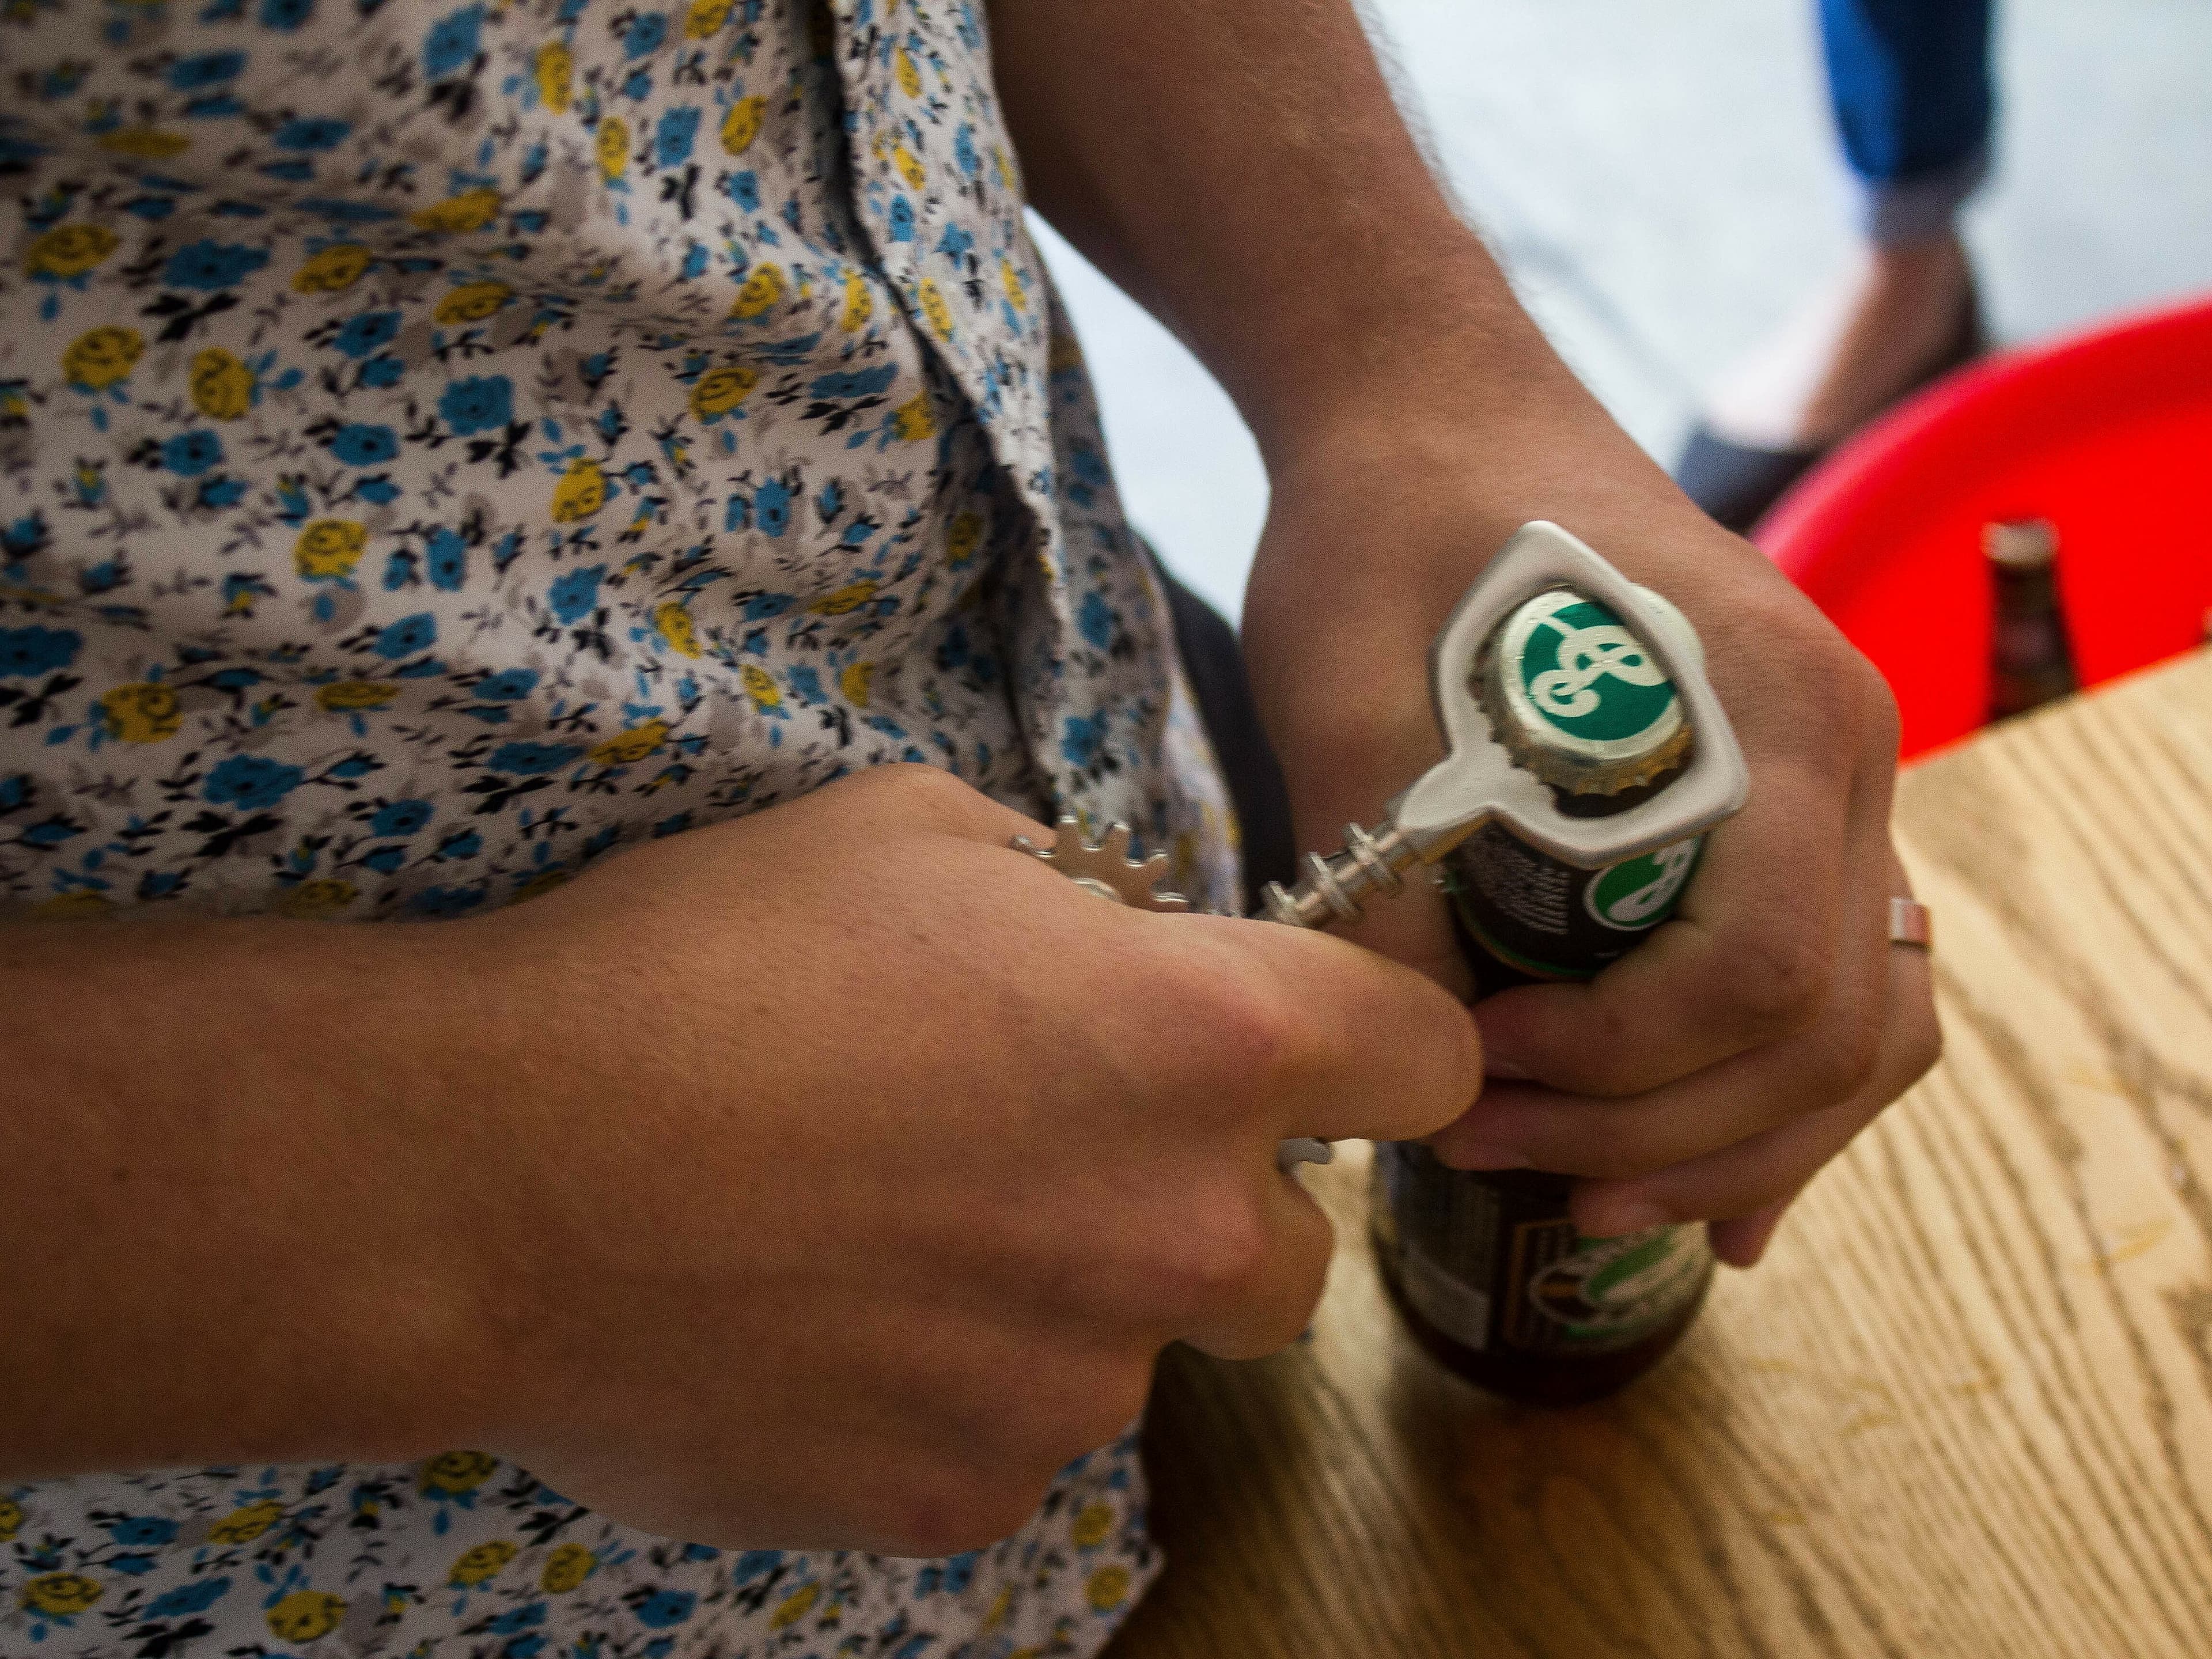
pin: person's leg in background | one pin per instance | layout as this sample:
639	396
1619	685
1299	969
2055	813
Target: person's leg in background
1910	84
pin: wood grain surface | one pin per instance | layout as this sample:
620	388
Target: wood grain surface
1964	1409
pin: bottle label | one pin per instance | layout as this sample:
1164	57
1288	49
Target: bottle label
1551	921
1493	1267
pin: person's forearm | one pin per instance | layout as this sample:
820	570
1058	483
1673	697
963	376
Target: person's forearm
235	1192
1240	169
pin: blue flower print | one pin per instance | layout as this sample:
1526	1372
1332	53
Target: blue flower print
251	783
311	132
772	507
1097	620
507	684
400	817
381	371
357	445
140	1531
385	860
529	760
407	636
573	597
517	1620
286	14
673	137
854	383
483	403
363	334
190	453
443	903
752	1564
346	213
206	69
209	265
744	189
451	43
1080	738
901	220
646	33
28	651
664	1607
461	844
447	560
195	1597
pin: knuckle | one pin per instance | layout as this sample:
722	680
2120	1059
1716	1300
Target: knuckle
1219	1255
1781	982
1850	1051
1257	1042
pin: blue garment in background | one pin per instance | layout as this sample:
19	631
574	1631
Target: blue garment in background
1912	87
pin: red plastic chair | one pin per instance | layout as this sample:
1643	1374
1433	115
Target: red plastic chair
2108	435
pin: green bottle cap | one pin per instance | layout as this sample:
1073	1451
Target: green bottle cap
1577	698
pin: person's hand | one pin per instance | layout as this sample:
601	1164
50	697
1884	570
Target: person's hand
1711	1072
858	1166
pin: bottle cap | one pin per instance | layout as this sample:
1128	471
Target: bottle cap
1576	698
2022	544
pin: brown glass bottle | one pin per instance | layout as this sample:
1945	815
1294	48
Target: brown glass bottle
2031	660
1487	1268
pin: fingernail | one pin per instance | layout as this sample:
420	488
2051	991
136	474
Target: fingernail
1504	1070
1627	1215
1479	1155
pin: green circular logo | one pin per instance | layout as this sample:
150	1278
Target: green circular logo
1640	892
1585	673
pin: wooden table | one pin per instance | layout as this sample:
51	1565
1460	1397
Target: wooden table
1966	1407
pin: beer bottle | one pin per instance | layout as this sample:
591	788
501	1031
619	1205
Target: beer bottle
2031	662
1488	1269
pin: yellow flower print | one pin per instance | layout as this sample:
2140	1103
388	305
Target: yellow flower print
473	1567
910	166
674	621
305	1615
1000	1608
1108	1589
613	148
761	289
555	68
243	1526
73	904
912	420
61	1593
741	124
100	357
851	597
1067	352
858	302
569	1565
1017	291
360	697
934	308
1093	1526
147	143
332	270
457	1471
581	492
795	1605
1005	166
909	78
627	748
961	540
329	548
760	688
325	897
472	209
706	17
11	1518
68	251
721	390
858	683
145	711
471	302
222	387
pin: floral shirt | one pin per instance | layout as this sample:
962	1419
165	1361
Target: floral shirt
441	442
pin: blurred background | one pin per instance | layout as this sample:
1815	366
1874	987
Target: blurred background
1661	180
